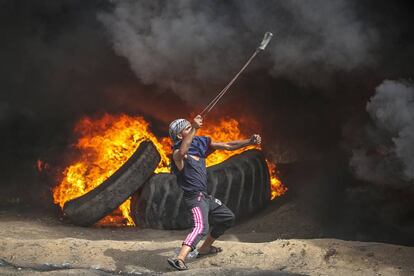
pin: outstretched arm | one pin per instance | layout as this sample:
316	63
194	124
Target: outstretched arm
234	145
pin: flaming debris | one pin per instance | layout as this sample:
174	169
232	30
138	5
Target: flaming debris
105	144
276	187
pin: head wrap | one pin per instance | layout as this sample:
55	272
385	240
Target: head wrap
176	127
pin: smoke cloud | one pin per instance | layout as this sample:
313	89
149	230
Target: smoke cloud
190	47
62	60
391	162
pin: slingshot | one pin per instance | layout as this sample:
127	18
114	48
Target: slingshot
266	39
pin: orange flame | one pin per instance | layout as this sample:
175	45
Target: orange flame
105	144
276	186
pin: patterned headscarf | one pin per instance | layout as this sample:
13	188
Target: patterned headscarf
176	127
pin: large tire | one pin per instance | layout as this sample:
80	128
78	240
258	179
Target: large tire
99	202
242	183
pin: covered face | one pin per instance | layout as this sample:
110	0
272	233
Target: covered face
176	127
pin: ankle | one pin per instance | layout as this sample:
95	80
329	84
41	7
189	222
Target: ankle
181	258
204	248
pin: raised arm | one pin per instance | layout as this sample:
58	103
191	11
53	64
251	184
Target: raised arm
255	139
187	137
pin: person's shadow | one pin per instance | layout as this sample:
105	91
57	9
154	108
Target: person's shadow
155	260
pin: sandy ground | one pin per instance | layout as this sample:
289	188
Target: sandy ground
39	244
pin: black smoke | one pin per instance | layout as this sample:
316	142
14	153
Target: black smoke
313	94
206	43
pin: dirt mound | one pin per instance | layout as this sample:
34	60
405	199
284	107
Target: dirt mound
44	246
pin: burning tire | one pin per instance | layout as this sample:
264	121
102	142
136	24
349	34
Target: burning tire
102	200
242	183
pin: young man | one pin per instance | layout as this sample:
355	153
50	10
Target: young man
188	164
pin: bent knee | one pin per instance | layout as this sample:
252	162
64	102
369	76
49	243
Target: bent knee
204	232
232	219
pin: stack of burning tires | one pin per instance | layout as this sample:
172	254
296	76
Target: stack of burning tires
242	182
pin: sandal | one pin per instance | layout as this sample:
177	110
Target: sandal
213	250
177	264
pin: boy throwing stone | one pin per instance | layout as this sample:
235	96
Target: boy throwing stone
189	165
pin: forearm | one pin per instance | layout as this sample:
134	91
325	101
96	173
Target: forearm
185	144
234	145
